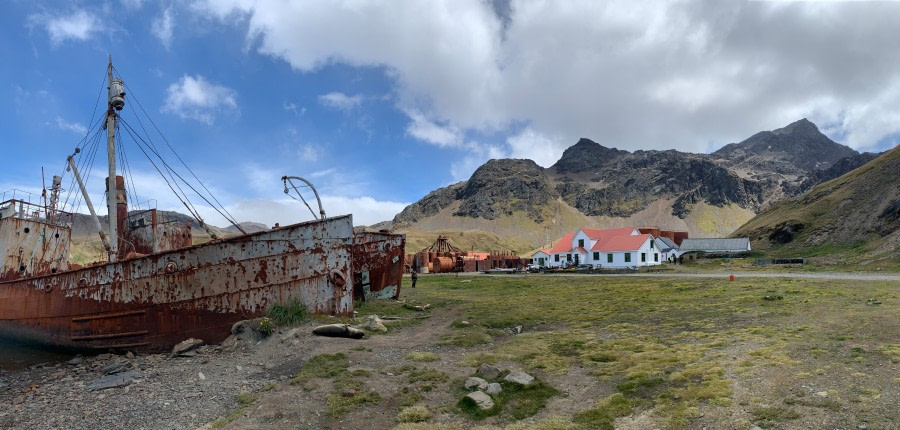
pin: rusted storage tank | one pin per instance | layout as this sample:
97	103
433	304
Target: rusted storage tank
442	265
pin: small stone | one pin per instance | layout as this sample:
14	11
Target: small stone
114	367
464	323
519	377
493	389
862	426
75	361
185	346
756	428
129	355
113	381
104	356
483	401
488	371
348	393
822	394
201	376
475	382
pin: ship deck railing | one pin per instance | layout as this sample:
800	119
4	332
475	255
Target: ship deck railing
24	209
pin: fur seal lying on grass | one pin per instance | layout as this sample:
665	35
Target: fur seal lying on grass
338	330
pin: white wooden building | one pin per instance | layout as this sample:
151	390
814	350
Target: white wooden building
612	247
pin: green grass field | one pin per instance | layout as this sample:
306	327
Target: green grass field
687	353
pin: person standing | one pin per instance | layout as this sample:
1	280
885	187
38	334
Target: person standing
414	277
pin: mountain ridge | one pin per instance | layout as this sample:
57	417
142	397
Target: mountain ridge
604	184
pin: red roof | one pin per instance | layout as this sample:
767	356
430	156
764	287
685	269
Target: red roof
581	250
623	243
603	236
539	251
564	244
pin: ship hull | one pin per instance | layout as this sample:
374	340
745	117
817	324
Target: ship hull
152	302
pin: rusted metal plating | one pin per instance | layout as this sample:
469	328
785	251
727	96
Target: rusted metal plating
377	265
152	302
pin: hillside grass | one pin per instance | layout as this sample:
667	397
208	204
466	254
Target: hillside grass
472	240
687	353
829	212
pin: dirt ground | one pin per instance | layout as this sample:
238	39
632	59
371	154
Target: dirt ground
613	352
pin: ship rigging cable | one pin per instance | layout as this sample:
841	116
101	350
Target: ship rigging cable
88	146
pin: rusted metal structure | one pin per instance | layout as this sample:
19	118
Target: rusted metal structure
157	289
377	265
443	257
441	246
675	236
152	302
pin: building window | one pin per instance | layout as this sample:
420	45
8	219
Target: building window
643	257
596	255
581	243
556	257
656	257
651	243
609	258
628	257
568	257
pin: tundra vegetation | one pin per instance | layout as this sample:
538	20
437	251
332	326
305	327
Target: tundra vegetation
630	352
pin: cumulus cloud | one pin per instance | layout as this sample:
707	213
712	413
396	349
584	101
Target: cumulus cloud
74	127
78	25
162	27
340	101
692	74
193	97
424	129
535	146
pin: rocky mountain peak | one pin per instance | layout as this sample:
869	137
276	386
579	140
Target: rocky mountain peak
505	186
794	149
802	127
586	155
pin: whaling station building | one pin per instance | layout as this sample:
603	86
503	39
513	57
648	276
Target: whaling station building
611	248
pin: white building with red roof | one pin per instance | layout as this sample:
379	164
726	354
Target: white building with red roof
611	247
541	258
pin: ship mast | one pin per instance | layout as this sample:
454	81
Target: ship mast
116	102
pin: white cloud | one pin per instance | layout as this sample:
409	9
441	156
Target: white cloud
193	97
74	127
340	101
79	25
543	150
635	75
424	129
162	27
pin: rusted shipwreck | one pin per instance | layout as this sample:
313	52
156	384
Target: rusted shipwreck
156	288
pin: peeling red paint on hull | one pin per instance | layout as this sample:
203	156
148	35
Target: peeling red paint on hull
150	303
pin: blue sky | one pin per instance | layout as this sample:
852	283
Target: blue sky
379	103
